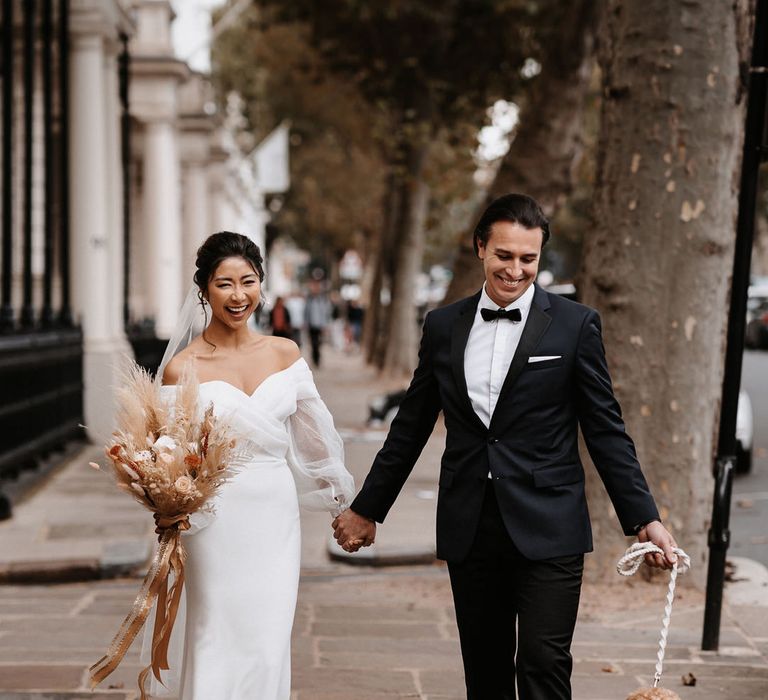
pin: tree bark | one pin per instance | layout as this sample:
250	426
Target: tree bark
547	143
760	253
376	315
657	263
402	336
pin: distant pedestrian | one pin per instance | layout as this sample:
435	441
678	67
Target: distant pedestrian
336	332
280	319
317	314
296	306
355	316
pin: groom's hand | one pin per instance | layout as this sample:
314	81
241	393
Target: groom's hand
655	532
353	531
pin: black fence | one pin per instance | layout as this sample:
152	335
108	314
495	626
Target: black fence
41	396
147	348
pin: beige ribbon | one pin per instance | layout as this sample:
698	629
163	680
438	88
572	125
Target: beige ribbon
169	558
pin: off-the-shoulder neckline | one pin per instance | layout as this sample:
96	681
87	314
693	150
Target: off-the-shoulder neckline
238	389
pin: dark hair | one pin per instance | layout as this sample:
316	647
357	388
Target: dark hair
220	246
217	248
515	208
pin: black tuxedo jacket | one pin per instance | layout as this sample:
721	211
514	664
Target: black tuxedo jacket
531	446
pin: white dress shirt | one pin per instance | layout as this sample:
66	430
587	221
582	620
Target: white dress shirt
490	348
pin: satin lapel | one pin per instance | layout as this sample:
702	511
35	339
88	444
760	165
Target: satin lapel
459	337
535	327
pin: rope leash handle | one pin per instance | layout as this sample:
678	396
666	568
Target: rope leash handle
630	563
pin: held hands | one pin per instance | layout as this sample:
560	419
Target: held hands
655	532
353	531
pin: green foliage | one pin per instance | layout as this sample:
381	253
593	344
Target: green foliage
427	61
362	79
336	168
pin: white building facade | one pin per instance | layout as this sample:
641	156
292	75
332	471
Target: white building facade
115	167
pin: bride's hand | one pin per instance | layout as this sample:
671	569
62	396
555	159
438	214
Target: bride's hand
353	531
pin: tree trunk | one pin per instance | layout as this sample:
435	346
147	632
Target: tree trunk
402	337
657	263
376	315
547	143
760	252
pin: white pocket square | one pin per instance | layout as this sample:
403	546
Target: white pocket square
543	358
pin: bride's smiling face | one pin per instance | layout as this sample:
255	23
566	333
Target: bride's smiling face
234	292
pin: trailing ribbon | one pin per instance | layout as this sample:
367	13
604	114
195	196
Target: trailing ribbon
169	558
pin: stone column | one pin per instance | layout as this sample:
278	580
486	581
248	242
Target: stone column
114	184
92	231
162	204
90	259
219	213
195	213
155	78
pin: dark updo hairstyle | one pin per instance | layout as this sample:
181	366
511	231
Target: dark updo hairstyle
516	209
220	246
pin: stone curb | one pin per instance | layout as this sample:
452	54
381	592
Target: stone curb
66	695
40	573
381	557
29	481
125	559
748	585
68	571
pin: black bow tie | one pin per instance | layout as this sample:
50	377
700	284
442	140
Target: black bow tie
513	315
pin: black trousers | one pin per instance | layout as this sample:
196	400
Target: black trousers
495	589
315	339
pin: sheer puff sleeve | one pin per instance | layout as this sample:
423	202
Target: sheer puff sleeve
316	451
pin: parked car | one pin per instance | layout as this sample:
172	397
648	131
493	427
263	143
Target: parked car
756	333
744	434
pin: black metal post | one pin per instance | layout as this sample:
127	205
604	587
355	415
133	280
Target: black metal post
66	310
30	12
47	317
6	307
125	159
719	534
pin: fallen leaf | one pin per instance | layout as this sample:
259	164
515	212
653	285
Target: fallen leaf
689	679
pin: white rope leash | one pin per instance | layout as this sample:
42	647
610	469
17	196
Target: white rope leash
630	563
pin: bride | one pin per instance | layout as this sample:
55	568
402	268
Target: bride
242	571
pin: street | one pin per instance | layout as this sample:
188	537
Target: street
749	510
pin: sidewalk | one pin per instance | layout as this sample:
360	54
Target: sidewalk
361	632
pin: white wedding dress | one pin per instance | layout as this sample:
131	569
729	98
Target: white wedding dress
232	637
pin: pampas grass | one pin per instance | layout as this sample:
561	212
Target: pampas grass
171	456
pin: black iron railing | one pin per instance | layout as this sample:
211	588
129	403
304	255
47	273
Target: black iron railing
41	401
147	348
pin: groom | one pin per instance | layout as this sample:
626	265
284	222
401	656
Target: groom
516	371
